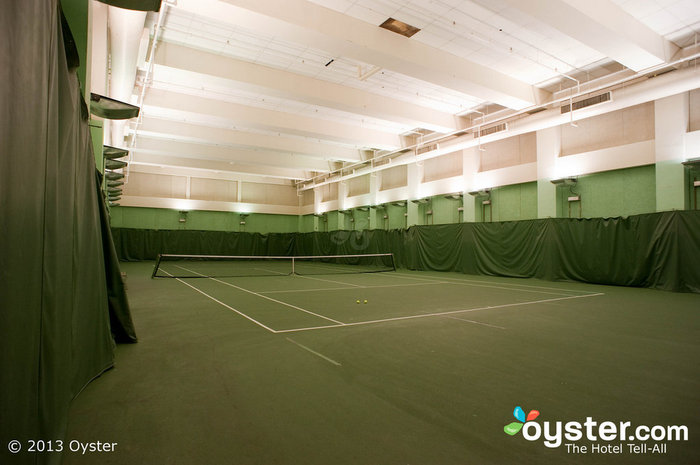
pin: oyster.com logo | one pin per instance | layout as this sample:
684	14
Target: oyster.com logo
519	414
601	437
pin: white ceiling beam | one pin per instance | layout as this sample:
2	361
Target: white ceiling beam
260	118
605	27
314	26
166	164
168	129
206	173
285	84
228	154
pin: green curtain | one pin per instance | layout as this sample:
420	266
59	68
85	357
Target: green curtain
658	250
54	299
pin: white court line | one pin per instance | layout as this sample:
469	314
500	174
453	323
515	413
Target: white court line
510	284
475	322
317	279
314	352
328	280
359	323
363	270
221	303
467	282
266	297
282	291
426	315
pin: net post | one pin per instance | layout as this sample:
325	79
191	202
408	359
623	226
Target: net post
293	271
393	262
155	268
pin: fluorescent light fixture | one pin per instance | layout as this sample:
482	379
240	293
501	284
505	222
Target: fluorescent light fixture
400	203
454	196
421	201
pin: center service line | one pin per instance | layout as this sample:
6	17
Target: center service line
265	297
315	353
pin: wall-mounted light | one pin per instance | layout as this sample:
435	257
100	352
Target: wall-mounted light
480	193
570	181
454	196
422	201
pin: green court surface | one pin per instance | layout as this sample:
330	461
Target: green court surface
292	370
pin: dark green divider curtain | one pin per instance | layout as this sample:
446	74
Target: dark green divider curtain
55	333
658	250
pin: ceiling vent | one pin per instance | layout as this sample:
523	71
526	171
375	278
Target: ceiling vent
491	130
381	161
399	27
426	148
589	102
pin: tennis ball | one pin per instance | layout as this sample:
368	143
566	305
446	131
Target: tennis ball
365	300
358	301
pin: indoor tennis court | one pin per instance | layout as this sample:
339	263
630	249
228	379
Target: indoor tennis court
350	232
292	366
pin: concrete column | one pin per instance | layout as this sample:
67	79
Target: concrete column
471	164
548	150
670	126
317	208
415	178
373	187
342	196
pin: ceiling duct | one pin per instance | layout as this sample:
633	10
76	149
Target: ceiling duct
381	162
491	130
426	148
589	102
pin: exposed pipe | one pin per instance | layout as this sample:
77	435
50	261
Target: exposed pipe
662	86
149	70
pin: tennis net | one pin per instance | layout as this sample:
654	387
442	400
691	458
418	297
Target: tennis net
222	266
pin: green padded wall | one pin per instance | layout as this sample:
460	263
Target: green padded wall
624	192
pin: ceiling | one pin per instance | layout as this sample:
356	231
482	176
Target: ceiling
287	89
